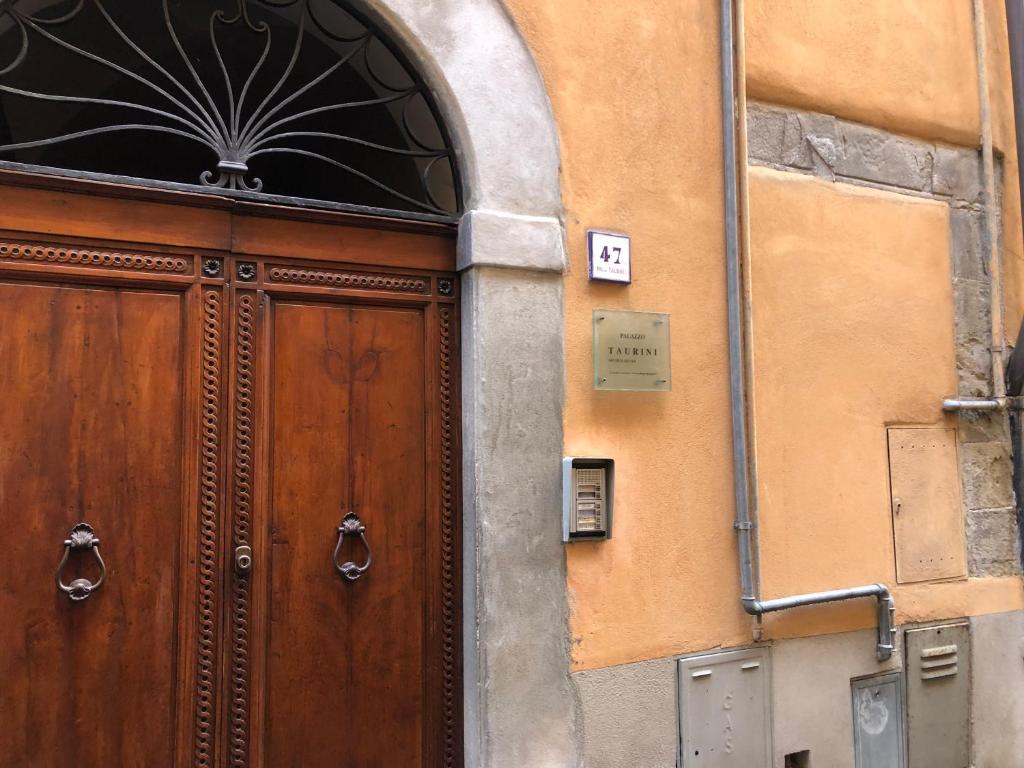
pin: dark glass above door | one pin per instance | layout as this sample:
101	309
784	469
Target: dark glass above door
295	101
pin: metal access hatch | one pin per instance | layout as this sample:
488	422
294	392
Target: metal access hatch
725	710
938	696
928	521
878	740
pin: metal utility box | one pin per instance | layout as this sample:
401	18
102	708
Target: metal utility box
725	710
927	520
878	739
938	675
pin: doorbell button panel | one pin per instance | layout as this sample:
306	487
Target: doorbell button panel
588	486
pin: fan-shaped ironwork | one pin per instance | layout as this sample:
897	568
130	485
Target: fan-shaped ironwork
294	100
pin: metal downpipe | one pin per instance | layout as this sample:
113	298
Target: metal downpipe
1015	34
995	258
734	288
744	475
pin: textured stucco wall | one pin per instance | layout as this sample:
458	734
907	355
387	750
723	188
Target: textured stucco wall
811	706
636	96
852	331
641	153
997	704
856	300
842	151
869	307
630	715
908	66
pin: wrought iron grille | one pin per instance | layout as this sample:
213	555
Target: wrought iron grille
300	101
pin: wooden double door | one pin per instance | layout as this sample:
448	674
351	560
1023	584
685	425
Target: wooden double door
257	421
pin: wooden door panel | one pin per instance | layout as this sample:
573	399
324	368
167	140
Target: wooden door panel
91	430
346	660
263	236
339	392
91	213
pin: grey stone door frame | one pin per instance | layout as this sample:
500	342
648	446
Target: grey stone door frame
520	704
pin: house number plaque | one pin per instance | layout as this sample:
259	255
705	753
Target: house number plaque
632	351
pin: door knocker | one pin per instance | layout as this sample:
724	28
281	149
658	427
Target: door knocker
351	525
81	537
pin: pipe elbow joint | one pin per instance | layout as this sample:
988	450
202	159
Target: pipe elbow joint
885	595
752	606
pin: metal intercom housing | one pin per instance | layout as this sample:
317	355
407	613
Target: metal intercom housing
588	488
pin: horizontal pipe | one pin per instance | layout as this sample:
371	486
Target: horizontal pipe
886	607
984	404
758	607
952	404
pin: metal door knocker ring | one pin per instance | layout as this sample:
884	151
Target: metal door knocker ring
351	525
81	537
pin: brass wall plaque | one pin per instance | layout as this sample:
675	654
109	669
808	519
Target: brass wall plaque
632	351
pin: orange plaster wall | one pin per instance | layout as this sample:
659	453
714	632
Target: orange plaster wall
905	65
914	603
637	100
853	331
636	97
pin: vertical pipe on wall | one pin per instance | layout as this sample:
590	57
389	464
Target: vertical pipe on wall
734	291
747	303
991	201
739	312
1015	35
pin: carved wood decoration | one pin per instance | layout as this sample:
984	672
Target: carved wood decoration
449	538
55	254
212	414
368	282
245	333
209	510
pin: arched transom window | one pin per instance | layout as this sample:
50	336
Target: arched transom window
294	101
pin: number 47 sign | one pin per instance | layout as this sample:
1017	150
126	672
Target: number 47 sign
609	257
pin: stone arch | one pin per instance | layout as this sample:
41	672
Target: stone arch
520	705
492	97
